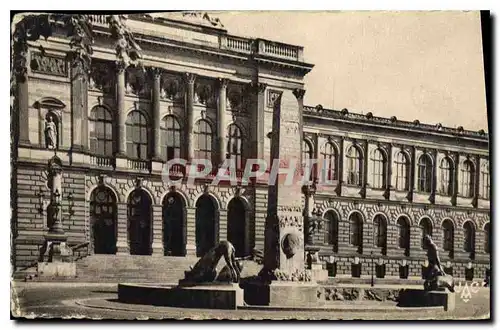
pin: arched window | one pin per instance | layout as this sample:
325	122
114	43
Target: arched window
356	231
404	233
170	138
487	238
402	171
485	181
234	145
448	235
446	175
329	155
101	132
332	232
469	237
425	228
307	155
425	173
467	186
137	136
203	138
380	232
354	166
379	169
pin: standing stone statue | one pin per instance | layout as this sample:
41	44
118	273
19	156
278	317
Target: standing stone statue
435	277
51	133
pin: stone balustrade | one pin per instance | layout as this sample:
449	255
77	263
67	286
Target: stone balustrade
235	43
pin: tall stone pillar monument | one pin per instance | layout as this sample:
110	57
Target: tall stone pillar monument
284	279
55	256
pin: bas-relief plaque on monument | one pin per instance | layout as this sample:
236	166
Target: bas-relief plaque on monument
98	232
47	64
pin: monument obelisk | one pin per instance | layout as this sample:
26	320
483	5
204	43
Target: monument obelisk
285	281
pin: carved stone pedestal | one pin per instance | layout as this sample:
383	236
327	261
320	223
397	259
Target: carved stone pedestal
57	258
315	265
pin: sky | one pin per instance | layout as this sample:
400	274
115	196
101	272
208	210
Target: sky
412	65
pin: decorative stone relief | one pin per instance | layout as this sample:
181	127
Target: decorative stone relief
171	88
303	275
205	93
291	244
101	77
273	97
235	98
51	65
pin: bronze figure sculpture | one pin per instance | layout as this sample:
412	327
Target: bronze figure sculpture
435	277
204	271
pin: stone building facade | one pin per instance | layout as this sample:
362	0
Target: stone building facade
203	93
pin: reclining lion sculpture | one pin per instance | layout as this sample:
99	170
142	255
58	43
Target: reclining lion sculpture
205	269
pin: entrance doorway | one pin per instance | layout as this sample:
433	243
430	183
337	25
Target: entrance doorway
237	226
139	222
207	220
103	215
174	225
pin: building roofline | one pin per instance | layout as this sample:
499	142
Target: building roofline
370	119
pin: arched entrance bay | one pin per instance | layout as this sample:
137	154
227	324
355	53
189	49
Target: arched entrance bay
103	220
139	223
207	223
174	225
237	226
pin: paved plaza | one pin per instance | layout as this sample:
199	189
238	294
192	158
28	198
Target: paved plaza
81	300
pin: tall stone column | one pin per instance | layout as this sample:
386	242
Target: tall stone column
156	75
432	197
256	98
120	105
221	121
477	173
20	99
411	186
78	108
456	161
189	80
22	104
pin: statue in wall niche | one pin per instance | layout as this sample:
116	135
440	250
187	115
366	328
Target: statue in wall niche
204	271
50	133
435	278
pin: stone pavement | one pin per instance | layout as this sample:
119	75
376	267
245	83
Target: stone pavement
94	300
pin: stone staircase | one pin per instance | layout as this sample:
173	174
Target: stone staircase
134	269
